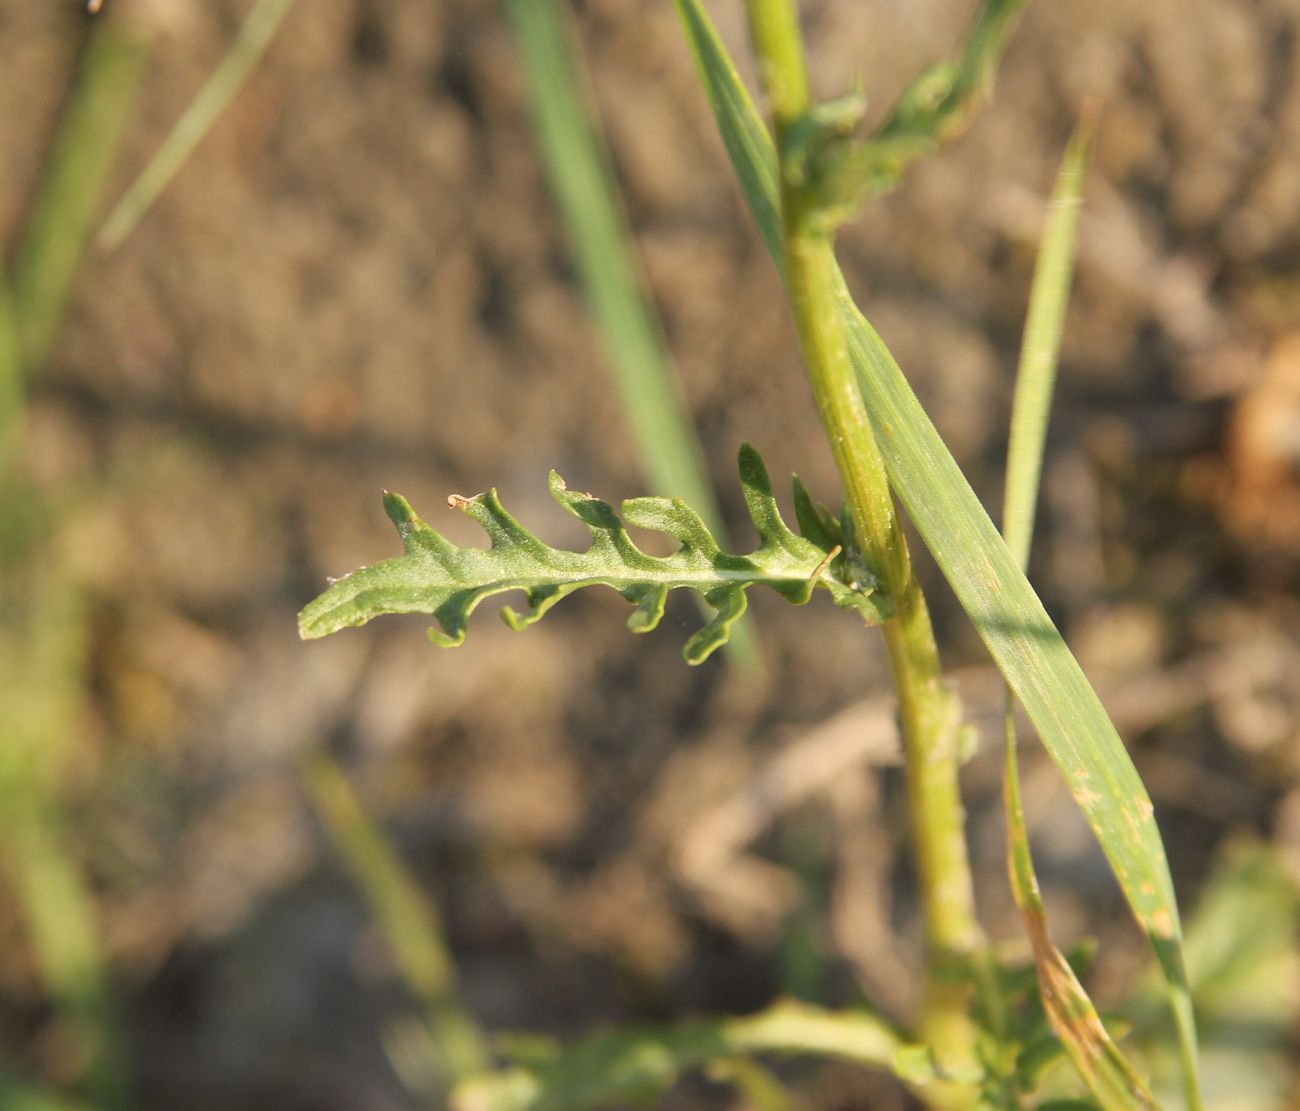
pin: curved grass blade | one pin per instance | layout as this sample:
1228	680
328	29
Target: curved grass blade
438	577
255	35
974	559
408	921
587	197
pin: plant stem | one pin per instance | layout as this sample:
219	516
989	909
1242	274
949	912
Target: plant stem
927	710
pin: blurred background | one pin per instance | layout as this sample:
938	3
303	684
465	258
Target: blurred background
358	281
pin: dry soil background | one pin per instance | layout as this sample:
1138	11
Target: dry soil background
358	283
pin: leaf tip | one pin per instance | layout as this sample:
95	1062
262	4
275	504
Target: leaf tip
752	469
400	512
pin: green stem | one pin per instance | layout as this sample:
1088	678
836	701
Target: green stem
927	711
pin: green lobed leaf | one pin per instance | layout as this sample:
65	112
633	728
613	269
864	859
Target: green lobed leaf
578	170
438	577
997	597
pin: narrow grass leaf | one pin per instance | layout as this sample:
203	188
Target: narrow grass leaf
50	891
11	382
1104	1069
54	234
585	192
408	921
983	573
255	35
42	649
41	618
1040	349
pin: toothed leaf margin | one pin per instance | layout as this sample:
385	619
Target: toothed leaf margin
435	576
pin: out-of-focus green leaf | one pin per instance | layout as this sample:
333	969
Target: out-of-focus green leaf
438	577
1245	964
16	1096
760	1090
982	571
636	1065
54	235
11	383
41	650
409	922
255	35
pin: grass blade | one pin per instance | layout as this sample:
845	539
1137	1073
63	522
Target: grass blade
11	381
580	178
983	573
42	644
255	36
1108	1074
41	620
1040	348
409	922
56	230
